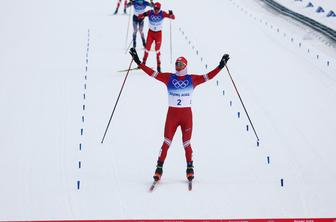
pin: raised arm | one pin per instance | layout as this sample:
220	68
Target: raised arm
163	77
130	3
143	15
149	4
199	79
169	14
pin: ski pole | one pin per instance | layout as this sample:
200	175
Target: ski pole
115	105
171	42
129	20
242	102
129	45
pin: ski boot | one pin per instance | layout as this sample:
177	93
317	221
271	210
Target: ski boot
190	171
116	11
125	11
158	171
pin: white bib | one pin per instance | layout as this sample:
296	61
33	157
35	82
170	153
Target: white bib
180	91
155	21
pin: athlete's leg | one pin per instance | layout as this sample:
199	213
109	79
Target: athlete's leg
125	5
148	46
186	127
158	39
118	4
135	29
170	129
141	26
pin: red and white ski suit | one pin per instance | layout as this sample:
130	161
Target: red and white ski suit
154	32
180	89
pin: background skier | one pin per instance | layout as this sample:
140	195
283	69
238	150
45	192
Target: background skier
139	8
118	4
155	17
180	87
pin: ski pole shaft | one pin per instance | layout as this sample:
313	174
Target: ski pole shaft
171	44
115	105
242	102
129	20
129	45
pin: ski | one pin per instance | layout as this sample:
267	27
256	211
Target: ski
190	185
133	69
125	70
153	186
123	14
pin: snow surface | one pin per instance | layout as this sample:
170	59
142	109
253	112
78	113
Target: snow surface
285	73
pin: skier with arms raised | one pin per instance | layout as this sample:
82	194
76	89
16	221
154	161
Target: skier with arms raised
180	86
155	18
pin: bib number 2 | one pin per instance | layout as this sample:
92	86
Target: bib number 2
179	102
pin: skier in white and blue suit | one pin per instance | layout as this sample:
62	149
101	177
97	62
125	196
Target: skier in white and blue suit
139	8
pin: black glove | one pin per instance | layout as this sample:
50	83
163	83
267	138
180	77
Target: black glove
170	12
135	56
223	61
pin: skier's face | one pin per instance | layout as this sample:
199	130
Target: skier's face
156	10
179	65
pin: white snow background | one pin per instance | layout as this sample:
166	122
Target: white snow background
59	81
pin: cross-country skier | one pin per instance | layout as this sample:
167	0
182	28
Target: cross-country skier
155	17
139	8
180	87
118	4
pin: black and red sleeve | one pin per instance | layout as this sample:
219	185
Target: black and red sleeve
167	15
143	15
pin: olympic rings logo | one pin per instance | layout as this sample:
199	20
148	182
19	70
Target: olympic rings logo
156	18
180	84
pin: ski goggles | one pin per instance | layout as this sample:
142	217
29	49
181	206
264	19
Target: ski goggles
156	9
180	64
